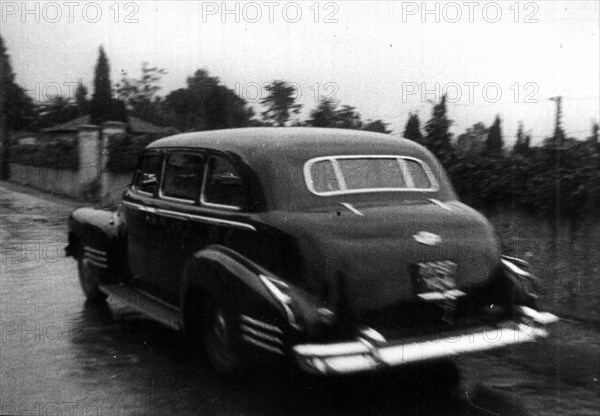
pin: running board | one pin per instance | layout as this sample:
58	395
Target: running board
144	303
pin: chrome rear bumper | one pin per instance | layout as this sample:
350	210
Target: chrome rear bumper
364	355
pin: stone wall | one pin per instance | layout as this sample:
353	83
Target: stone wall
58	181
92	181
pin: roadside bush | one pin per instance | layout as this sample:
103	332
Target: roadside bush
549	181
59	153
123	150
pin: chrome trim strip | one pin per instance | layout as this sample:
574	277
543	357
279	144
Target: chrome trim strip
94	250
515	269
95	263
262	345
265	337
355	356
283	300
449	294
351	208
100	259
519	262
372	335
440	204
173	215
139	207
173	199
334	160
192	217
261	324
541	318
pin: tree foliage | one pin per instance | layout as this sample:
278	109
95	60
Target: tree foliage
439	138
103	107
328	114
522	146
81	99
140	95
377	126
472	141
205	104
280	103
18	107
412	130
494	142
58	109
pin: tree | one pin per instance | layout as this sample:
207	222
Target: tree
58	109
494	142
280	103
140	95
16	108
102	106
412	130
327	114
348	118
439	139
523	144
594	139
81	99
472	141
324	115
377	126
205	104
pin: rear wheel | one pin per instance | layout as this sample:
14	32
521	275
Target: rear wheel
89	277
221	339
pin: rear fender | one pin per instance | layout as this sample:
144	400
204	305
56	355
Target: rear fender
225	275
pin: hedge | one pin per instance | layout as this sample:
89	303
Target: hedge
61	153
123	151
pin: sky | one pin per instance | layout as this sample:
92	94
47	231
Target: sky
385	58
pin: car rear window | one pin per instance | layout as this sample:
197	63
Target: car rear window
352	174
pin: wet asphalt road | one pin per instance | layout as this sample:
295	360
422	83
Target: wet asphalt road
59	356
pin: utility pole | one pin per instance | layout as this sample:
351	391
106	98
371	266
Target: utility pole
557	146
558	133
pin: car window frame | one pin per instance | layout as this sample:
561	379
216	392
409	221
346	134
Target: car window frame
202	199
333	159
165	157
138	172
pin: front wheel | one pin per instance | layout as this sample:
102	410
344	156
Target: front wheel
89	277
221	339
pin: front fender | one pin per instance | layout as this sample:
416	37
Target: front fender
96	231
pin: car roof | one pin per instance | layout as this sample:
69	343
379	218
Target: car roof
294	142
277	156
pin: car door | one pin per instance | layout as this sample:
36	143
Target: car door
139	208
179	193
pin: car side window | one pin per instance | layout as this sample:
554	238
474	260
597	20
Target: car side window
222	185
182	176
146	179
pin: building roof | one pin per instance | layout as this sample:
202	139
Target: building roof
134	124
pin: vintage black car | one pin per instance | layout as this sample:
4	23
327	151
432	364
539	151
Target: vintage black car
345	251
